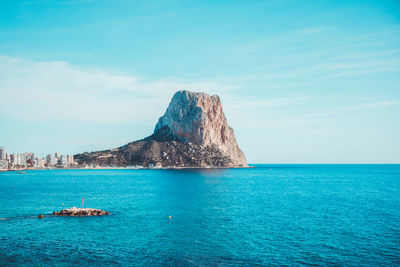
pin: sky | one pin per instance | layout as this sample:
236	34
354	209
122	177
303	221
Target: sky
300	81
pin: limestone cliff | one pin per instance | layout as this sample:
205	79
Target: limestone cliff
193	132
198	118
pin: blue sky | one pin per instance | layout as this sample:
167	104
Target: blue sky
300	81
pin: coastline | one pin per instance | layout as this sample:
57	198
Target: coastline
129	168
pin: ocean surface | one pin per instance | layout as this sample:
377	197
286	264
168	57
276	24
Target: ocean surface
268	215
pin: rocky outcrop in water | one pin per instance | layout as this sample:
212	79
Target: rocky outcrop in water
193	132
198	118
80	212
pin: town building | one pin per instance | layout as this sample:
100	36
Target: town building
40	162
3	153
51	160
22	159
3	164
70	160
63	160
16	159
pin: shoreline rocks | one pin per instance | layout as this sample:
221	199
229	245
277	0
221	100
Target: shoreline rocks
80	212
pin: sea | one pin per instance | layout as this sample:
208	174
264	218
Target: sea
342	215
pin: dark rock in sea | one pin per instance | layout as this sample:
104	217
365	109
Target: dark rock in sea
192	133
80	212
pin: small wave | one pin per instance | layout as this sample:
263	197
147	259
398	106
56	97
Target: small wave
20	217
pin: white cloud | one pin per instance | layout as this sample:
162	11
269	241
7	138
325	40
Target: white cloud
61	91
313	30
240	103
372	105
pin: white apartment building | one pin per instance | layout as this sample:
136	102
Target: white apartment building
3	153
64	160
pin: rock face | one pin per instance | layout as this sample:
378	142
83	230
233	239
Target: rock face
198	118
193	132
80	212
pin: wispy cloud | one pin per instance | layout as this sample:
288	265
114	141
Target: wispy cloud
58	90
268	103
314	30
372	105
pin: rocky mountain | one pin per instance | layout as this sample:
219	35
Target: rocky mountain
193	132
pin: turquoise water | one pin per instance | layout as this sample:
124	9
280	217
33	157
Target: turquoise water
272	214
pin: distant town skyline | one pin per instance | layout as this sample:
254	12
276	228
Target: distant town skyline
10	161
300	81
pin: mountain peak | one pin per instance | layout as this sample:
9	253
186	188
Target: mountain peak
198	118
193	132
